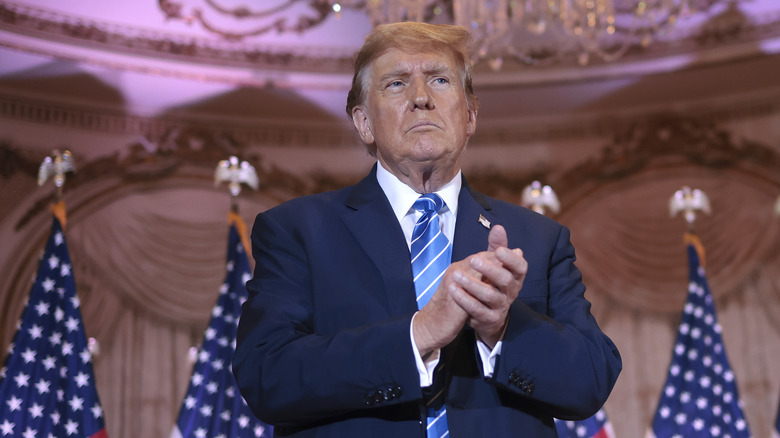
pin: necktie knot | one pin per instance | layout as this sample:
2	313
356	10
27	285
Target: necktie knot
429	203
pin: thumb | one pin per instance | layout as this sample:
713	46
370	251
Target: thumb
497	238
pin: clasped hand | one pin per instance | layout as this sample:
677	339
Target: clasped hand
477	291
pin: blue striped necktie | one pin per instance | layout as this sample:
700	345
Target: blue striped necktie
431	255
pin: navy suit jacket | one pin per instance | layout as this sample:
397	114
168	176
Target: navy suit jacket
323	346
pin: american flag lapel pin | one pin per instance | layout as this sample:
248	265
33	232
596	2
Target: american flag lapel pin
483	220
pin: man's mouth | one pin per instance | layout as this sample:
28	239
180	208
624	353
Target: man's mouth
423	125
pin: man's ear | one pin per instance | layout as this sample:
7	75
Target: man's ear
471	124
362	124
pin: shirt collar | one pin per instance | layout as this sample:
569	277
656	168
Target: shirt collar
402	197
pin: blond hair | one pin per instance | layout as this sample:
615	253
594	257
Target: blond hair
412	37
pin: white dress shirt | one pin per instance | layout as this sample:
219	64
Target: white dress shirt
401	198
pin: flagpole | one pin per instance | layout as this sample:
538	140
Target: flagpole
213	405
234	219
235	172
700	396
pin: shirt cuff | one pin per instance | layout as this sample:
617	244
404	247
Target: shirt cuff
488	356
426	367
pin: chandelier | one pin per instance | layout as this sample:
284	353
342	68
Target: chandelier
535	32
531	32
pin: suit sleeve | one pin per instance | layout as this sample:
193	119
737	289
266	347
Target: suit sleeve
291	373
553	350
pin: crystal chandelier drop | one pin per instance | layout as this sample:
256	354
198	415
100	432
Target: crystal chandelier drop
535	32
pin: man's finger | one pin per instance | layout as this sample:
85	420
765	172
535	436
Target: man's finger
483	293
513	260
494	273
497	238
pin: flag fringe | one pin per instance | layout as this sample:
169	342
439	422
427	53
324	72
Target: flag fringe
235	220
58	210
692	239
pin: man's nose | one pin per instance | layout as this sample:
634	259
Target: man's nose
421	96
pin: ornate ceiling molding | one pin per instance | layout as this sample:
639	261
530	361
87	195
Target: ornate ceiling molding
113	38
228	50
665	141
330	135
118	122
655	141
238	23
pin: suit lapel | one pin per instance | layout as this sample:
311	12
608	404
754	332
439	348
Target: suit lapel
472	225
371	221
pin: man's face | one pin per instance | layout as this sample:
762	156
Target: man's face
416	112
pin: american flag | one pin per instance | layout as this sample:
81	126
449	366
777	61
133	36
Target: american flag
213	407
700	397
597	426
47	386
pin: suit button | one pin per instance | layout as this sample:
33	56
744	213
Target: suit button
513	378
374	397
379	396
391	392
398	391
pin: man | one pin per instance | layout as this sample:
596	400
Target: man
332	342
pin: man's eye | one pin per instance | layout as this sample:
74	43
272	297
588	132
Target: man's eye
395	84
442	81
